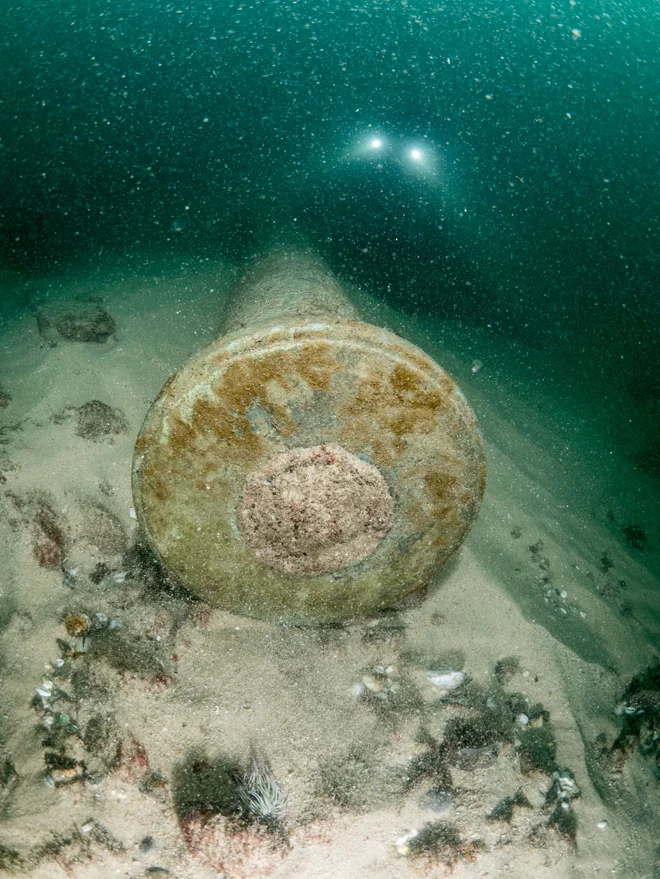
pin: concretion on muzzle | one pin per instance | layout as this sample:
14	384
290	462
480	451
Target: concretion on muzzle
306	466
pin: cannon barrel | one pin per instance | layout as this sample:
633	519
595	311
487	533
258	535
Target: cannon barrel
306	466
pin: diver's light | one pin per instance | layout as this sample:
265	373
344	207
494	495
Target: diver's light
367	146
416	155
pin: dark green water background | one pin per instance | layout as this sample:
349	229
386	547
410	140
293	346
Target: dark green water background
150	133
201	127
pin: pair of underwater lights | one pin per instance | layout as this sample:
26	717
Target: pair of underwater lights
415	153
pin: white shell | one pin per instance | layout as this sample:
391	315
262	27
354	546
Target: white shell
402	844
374	685
446	680
44	690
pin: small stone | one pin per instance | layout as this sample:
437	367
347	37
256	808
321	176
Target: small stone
563	788
61	777
602	825
506	668
82	319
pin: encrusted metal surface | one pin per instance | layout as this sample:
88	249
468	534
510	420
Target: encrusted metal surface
259	393
315	510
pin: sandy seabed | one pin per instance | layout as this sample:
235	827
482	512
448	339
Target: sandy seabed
120	750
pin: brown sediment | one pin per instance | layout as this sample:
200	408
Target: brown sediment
439	485
224	415
153	481
387	408
77	624
49	545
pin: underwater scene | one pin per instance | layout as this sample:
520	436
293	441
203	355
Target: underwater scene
329	439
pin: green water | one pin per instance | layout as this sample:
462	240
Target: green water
490	171
201	127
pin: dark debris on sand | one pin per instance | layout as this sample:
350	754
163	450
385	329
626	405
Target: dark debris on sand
82	319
